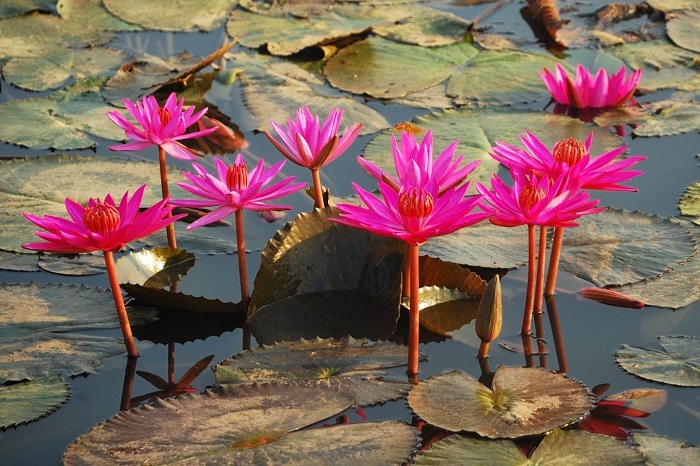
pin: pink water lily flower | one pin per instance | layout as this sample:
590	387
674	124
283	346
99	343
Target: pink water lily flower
534	200
101	225
415	214
163	127
601	173
309	144
414	162
234	188
586	90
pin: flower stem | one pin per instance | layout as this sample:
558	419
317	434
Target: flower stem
554	261
240	250
541	256
170	229
318	188
556	334
483	350
530	295
119	304
414	315
128	386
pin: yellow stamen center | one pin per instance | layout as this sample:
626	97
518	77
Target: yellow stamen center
415	203
101	218
569	151
237	177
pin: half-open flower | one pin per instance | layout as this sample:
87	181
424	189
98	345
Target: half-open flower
101	225
162	127
234	188
586	90
414	162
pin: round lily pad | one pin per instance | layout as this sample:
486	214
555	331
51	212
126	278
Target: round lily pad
94	13
559	448
679	364
682	28
27	401
522	401
187	15
662	450
244	424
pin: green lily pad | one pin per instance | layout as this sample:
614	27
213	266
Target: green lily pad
499	78
679	364
28	401
358	366
93	12
444	310
671	5
682	28
18	262
618	247
386	69
81	264
44	353
559	448
244	424
674	289
689	203
162	15
312	254
671	118
289	87
425	26
40	185
56	70
33	34
662	450
522	401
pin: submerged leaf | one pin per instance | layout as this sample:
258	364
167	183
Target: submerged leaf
243	424
679	364
358	366
522	401
28	401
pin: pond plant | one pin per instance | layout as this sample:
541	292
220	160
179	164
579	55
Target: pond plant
329	312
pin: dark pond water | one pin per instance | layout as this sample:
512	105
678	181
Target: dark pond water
591	332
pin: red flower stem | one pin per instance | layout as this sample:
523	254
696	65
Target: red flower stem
170	229
240	250
414	314
541	346
318	188
119	304
530	295
483	350
128	386
527	351
556	334
541	256
554	261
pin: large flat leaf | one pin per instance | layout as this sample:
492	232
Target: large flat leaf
682	28
27	401
248	424
679	364
163	15
617	247
671	117
559	448
522	401
662	450
93	12
425	26
354	365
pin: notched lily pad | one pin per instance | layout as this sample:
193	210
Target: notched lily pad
662	450
28	401
522	401
679	364
188	16
359	366
18	262
559	448
243	424
81	264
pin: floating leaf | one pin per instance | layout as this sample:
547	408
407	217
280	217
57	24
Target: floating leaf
522	401
386	69
40	185
312	254
559	448
617	247
28	401
42	354
244	424
18	262
184	326
671	118
188	16
11	8
679	364
59	69
670	5
662	450
682	28
154	268
358	366
425	26
82	264
94	13
290	87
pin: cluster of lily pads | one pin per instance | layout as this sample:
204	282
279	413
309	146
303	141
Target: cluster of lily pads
611	249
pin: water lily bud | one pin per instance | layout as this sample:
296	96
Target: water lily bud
489	317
